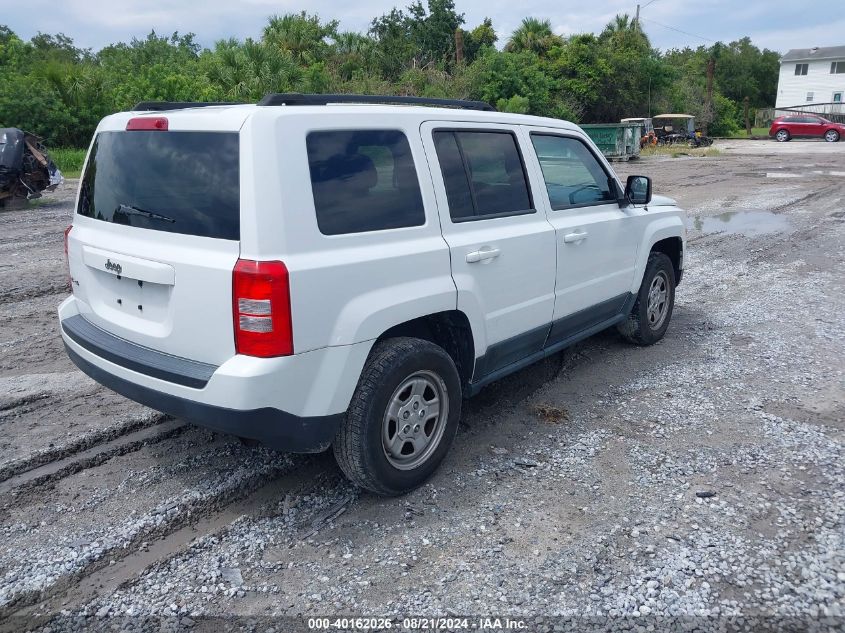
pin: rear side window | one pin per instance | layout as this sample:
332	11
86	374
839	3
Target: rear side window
483	174
177	182
363	180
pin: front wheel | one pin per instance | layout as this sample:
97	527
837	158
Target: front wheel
782	136
831	136
649	318
402	419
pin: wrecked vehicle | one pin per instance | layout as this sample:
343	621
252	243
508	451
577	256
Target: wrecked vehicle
25	166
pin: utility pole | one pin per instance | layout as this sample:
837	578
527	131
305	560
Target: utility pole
637	18
708	98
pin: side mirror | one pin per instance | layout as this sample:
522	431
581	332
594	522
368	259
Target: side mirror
638	189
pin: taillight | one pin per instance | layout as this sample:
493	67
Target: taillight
147	123
261	309
67	259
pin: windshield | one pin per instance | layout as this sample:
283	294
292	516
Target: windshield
179	182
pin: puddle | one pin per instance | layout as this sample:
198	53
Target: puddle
790	174
750	223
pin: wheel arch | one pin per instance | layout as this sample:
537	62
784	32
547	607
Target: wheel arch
450	330
673	248
666	235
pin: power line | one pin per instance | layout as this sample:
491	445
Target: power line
648	3
672	28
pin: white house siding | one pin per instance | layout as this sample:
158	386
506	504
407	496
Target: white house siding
793	89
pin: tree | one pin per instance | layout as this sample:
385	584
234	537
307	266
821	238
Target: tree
630	62
58	90
304	36
393	41
533	35
482	36
248	71
433	32
354	54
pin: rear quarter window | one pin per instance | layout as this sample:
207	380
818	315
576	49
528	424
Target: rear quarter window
177	182
363	180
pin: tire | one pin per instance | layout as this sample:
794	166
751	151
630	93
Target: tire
831	136
370	445
645	327
782	136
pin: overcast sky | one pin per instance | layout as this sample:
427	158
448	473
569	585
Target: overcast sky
775	24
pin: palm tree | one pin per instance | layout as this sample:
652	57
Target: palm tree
533	35
621	25
303	35
248	71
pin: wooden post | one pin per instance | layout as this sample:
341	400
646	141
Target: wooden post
747	120
459	45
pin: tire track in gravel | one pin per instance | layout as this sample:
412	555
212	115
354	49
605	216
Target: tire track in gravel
47	417
108	511
104	580
26	480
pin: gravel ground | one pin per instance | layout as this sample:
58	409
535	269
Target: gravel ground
694	485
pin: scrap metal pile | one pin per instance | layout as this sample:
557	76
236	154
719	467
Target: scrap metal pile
25	167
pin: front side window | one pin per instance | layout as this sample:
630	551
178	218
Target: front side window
363	180
801	69
483	174
573	175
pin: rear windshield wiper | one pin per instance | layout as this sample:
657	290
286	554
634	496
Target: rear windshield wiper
130	210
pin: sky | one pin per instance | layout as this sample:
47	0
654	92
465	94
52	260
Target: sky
775	24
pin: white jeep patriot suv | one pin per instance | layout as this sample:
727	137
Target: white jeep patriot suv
316	271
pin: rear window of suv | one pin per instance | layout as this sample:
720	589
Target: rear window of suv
178	182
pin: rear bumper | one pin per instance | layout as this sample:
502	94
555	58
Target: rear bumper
291	403
273	427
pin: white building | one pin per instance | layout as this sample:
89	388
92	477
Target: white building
812	76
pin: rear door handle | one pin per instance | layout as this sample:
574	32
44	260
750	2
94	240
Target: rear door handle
574	237
483	254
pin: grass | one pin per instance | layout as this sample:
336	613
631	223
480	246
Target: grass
755	131
677	151
69	160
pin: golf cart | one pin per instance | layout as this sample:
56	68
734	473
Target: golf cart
674	129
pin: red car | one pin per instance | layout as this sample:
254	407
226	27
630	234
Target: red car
785	128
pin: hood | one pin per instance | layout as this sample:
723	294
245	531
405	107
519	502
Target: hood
662	201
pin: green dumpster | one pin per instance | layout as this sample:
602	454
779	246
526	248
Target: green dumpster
617	141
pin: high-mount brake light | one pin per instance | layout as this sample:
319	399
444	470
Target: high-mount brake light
147	123
261	313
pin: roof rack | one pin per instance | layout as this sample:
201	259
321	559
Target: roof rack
157	106
297	99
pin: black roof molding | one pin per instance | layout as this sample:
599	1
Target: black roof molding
159	106
297	99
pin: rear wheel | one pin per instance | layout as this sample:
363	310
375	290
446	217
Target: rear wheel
402	419
649	318
782	136
831	136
